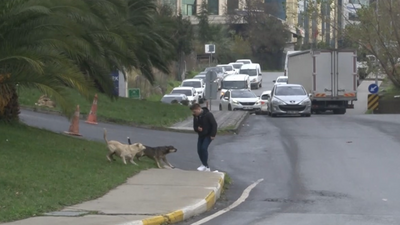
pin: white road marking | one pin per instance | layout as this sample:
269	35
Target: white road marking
239	201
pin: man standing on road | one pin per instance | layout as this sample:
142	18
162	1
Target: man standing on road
206	127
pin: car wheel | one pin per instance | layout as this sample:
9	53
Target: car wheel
273	115
220	107
261	84
229	107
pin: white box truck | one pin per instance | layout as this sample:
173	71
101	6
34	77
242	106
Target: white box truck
329	76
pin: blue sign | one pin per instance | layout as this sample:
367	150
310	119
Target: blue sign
115	78
373	88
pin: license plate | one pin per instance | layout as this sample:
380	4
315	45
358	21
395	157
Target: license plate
292	112
247	108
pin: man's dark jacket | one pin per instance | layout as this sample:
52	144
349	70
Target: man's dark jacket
206	121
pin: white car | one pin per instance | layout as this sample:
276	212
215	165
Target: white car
281	80
229	69
237	66
171	98
197	84
238	100
254	71
190	92
262	103
245	61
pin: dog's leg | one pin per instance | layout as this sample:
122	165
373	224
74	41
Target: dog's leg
166	161
110	156
133	162
158	163
123	159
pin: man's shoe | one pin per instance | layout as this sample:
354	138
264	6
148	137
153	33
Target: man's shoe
201	168
207	169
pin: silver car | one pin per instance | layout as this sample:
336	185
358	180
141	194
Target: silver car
289	99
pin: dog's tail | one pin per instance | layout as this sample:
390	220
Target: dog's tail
105	135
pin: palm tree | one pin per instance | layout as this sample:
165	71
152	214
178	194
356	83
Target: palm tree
32	42
54	45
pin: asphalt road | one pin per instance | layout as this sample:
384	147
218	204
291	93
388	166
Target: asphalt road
326	169
267	84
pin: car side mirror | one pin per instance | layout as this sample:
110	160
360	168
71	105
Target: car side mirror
274	81
309	95
226	98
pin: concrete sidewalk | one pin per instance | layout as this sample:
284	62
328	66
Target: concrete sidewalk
226	120
155	196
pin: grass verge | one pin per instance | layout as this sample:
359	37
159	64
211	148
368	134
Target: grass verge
123	110
42	171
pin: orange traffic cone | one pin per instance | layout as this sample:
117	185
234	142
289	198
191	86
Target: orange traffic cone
92	118
74	128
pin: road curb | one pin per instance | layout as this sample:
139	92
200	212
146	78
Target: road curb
177	216
240	123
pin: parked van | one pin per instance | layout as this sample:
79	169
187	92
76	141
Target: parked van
254	71
237	81
285	72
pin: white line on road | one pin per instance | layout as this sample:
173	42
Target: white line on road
239	201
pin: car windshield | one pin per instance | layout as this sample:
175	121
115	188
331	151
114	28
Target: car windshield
185	92
282	80
290	90
250	72
237	65
265	97
243	94
195	84
234	85
228	68
200	77
169	99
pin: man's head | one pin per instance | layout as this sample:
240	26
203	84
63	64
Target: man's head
196	109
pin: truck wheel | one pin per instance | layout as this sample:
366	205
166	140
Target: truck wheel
229	108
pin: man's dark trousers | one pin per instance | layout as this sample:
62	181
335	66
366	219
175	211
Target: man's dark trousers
202	149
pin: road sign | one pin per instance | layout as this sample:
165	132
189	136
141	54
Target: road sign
134	93
209	48
211	76
373	101
211	91
373	88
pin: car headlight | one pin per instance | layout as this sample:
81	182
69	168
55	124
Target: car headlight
235	102
258	102
306	102
254	80
276	101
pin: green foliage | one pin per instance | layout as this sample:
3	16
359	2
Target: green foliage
41	173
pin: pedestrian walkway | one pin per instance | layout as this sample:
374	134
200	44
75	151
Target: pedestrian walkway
155	196
226	120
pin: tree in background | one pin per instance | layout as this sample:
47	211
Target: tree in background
56	45
375	33
266	34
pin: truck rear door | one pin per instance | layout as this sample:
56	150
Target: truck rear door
346	77
322	74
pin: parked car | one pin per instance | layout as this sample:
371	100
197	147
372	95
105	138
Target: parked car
229	70
238	81
200	76
238	100
254	71
244	61
171	98
197	84
281	80
190	92
262	103
289	99
237	66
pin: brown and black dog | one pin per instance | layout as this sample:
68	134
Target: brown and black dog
156	153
